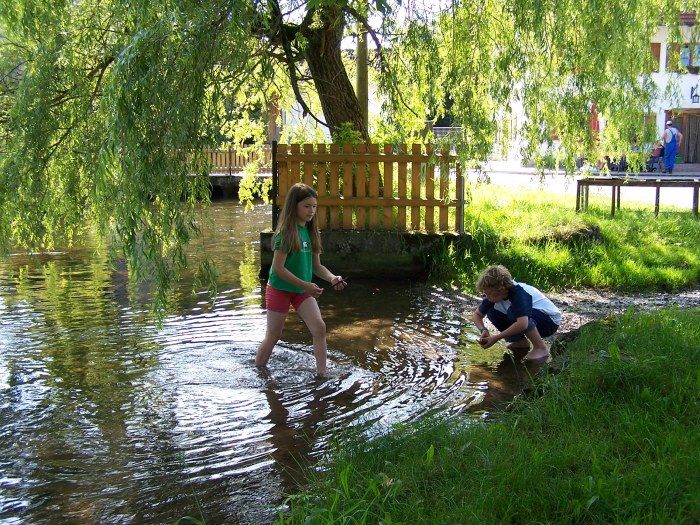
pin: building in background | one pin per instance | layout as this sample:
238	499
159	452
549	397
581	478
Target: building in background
682	104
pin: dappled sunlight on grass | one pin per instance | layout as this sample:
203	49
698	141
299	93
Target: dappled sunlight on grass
542	240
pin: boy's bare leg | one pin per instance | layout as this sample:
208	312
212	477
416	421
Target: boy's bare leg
539	350
520	344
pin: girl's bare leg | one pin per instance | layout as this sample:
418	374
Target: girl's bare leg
275	323
311	315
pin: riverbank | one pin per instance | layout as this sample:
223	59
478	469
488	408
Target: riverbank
612	438
580	307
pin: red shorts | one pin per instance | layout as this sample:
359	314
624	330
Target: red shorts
279	300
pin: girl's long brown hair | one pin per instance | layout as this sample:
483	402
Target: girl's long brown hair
287	226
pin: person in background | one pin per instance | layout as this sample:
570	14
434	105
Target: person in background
672	140
520	312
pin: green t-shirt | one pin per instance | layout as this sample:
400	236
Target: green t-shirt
299	263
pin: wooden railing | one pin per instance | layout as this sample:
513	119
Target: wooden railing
361	188
583	185
233	161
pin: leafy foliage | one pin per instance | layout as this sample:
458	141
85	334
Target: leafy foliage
106	106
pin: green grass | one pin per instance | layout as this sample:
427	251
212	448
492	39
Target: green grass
543	241
613	437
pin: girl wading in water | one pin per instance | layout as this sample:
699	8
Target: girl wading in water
297	258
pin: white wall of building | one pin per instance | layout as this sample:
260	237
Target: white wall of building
682	91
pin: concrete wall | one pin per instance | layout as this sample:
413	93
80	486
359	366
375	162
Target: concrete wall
225	186
374	254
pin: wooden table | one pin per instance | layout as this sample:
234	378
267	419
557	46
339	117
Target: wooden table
583	185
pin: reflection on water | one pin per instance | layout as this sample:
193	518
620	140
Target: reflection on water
106	418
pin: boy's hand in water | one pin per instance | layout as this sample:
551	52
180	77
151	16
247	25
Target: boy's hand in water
484	335
314	290
487	340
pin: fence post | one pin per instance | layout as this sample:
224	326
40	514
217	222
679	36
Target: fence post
275	186
460	198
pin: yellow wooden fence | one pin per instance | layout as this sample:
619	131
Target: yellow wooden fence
232	160
362	188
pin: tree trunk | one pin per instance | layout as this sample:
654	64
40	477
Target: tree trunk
334	88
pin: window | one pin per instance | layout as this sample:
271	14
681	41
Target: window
683	57
655	56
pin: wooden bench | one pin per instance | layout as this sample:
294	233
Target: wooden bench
583	185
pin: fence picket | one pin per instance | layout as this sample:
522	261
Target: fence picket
335	188
283	168
444	190
347	186
401	217
374	188
360	186
459	216
322	190
294	166
429	189
308	166
388	221
415	186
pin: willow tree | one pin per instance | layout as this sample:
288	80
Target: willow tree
105	106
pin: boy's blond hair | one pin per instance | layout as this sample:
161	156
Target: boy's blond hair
495	277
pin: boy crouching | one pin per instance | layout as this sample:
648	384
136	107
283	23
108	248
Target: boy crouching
519	311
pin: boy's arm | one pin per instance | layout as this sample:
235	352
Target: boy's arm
478	319
518	327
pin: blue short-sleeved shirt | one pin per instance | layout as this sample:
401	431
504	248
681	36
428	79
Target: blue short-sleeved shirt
521	300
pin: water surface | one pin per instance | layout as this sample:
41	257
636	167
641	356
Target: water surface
105	417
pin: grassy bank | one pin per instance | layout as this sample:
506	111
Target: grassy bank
613	438
543	241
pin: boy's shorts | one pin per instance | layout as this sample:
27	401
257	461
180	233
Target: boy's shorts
279	300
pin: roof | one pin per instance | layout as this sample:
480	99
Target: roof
688	18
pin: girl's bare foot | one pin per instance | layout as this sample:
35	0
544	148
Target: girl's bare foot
537	354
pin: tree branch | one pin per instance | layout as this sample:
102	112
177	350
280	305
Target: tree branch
290	62
380	55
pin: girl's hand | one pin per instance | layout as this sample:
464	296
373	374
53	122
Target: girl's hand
338	283
313	290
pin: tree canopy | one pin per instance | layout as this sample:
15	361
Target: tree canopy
105	106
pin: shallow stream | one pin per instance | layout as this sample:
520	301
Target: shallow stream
106	418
